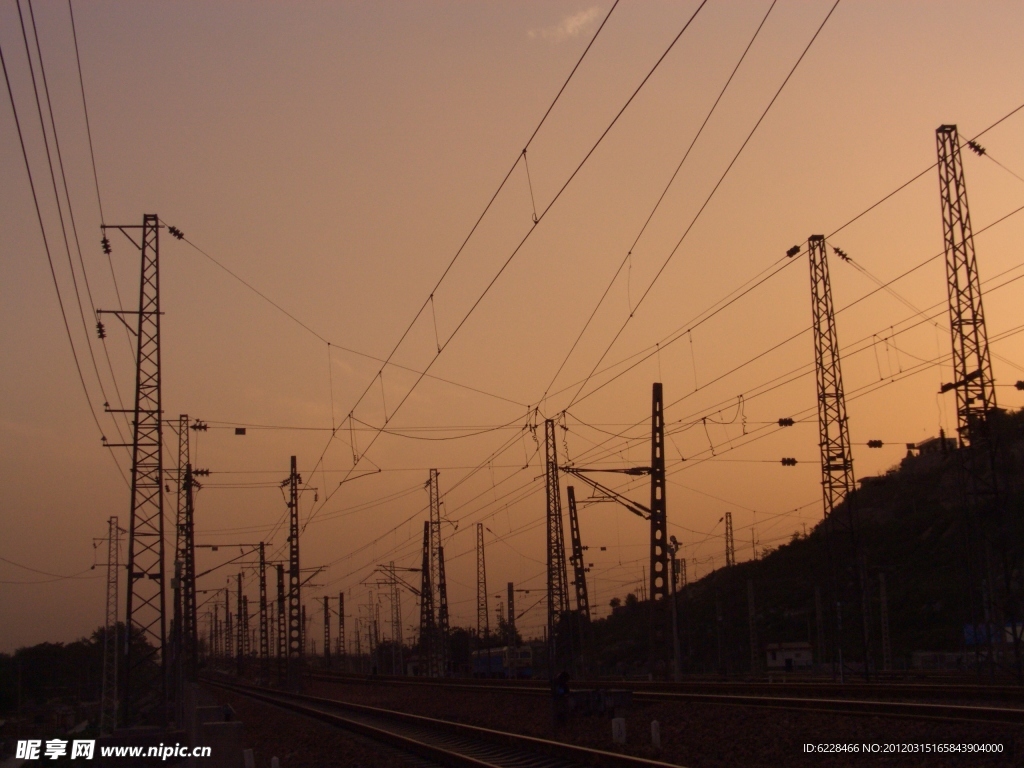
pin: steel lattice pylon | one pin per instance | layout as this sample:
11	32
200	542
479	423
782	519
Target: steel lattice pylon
144	687
438	644
659	510
837	479
327	632
483	619
833	428
282	629
579	568
341	631
264	626
295	629
972	364
108	701
397	636
428	620
443	627
730	542
558	581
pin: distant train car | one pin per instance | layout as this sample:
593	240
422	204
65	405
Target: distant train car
505	662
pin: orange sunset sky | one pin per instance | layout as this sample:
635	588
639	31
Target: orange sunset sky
335	157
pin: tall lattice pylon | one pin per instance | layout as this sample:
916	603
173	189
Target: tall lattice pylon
296	652
730	542
438	642
190	619
282	629
579	567
108	700
972	363
397	636
558	581
659	511
342	648
837	479
327	632
483	619
428	618
264	621
144	678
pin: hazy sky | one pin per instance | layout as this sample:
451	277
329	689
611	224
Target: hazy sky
336	155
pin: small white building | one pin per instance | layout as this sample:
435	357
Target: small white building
788	656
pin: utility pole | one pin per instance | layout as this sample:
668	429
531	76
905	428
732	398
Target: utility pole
511	621
228	638
659	588
296	652
579	567
144	694
483	619
837	481
188	574
755	652
974	385
442	613
327	633
558	597
438	665
677	661
581	619
397	640
282	636
179	629
108	700
730	542
428	627
659	515
972	363
342	655
264	628
241	628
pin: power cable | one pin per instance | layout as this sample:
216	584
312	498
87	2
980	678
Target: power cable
707	200
71	216
657	204
49	259
511	257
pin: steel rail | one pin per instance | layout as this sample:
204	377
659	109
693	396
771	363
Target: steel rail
798	688
839	706
525	748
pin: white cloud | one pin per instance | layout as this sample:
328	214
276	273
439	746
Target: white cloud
570	26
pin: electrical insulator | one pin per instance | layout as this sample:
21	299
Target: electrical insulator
874	443
201	472
1019	385
200	426
841	253
176	232
785	422
976	147
793	251
105	242
100	330
788	462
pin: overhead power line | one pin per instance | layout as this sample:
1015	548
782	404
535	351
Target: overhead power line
511	257
707	200
49	259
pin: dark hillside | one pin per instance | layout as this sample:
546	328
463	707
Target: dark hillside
913	532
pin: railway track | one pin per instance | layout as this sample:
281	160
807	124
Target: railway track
946	711
442	742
